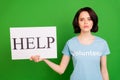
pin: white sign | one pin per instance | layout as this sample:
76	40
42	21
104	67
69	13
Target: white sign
29	41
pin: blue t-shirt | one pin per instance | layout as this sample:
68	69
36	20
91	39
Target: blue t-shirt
86	58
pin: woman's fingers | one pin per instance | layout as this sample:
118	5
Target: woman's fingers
36	58
31	58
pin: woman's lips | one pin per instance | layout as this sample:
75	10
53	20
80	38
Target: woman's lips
86	26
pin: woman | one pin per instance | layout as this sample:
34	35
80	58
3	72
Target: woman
87	50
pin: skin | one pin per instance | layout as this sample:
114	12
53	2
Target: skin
86	38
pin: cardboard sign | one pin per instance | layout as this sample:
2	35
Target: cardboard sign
29	41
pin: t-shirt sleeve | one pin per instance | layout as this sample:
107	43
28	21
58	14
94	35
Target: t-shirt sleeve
66	50
106	49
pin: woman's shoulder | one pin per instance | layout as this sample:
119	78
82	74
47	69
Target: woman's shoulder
72	38
100	39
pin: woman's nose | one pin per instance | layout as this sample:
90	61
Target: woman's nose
85	21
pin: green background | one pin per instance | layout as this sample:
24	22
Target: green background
59	13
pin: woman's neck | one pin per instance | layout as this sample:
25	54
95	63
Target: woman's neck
85	35
86	38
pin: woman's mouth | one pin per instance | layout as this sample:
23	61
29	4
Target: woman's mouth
86	26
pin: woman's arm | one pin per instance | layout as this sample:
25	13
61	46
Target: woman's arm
104	70
57	68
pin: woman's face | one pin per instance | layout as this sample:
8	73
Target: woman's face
85	22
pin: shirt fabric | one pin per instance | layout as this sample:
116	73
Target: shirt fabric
86	58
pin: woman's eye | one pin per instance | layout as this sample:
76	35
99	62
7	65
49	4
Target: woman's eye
89	19
81	19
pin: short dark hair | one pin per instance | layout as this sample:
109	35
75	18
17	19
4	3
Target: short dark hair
93	16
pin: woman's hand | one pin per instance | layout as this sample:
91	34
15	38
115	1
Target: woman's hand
59	68
36	58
